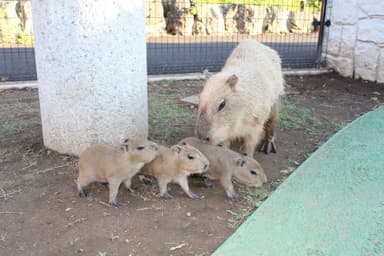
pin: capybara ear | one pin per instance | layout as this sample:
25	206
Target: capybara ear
176	148
207	74
183	143
240	162
124	147
232	81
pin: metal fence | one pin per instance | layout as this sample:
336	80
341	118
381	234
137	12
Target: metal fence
188	35
194	35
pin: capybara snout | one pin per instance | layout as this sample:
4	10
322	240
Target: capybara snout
202	127
249	172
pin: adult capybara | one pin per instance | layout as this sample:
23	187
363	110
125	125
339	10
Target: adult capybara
242	100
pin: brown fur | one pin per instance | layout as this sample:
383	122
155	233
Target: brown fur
242	99
225	165
175	165
103	163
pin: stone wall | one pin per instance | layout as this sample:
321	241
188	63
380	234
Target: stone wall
355	40
188	17
183	17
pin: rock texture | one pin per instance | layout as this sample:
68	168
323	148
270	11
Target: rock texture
178	17
154	18
211	18
356	39
15	22
246	19
184	17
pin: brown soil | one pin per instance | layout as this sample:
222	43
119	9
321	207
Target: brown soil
41	213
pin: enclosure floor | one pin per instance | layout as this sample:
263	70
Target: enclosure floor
333	204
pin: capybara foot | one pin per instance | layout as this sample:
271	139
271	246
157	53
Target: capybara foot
166	196
83	193
115	203
208	183
147	180
269	146
105	184
193	196
236	197
133	189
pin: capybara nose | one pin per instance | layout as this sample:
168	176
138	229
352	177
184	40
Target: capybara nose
265	179
201	133
198	134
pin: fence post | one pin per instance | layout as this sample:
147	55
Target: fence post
320	40
91	68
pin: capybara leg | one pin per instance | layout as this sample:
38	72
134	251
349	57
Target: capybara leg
105	184
208	183
128	185
113	185
183	182
269	128
147	180
163	189
83	192
226	144
83	181
226	182
250	142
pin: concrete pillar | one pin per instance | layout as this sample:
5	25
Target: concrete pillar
91	67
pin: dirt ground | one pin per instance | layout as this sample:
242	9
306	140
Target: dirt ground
41	213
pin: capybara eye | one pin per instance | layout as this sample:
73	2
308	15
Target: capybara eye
253	172
222	105
191	157
140	147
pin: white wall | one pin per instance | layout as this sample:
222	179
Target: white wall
91	67
355	43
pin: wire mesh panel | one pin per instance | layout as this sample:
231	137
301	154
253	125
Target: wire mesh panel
17	58
194	35
186	35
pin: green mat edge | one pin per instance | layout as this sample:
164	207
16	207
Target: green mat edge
292	176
